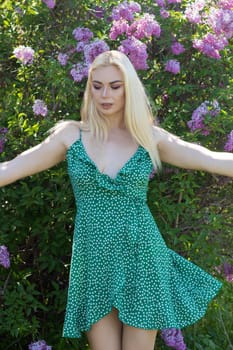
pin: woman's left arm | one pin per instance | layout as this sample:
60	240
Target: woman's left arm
188	155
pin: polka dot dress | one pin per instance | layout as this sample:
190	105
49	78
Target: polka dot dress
119	257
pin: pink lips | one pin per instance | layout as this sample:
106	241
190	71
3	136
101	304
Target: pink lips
106	105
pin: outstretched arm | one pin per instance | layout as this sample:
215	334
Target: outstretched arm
41	157
188	155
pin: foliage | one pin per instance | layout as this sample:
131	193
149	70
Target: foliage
193	209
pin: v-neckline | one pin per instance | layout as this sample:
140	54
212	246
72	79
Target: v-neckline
102	173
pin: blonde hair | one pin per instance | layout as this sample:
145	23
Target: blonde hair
137	115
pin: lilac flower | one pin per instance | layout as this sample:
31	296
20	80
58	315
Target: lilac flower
221	21
172	66
80	46
174	1
226	4
136	51
146	26
164	13
173	338
91	51
229	144
4	257
192	11
78	72
118	28
125	10
99	12
160	3
82	34
18	10
152	174
228	271
25	54
40	108
39	345
197	121
63	58
210	45
177	48
50	3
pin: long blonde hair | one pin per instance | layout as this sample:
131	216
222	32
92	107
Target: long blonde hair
137	115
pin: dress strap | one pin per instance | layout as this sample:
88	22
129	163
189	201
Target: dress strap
80	134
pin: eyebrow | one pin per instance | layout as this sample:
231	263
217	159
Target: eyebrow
111	82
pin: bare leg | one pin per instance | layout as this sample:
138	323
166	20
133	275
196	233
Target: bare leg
137	338
106	334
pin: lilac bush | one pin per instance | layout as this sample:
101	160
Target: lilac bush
172	66
3	132
229	144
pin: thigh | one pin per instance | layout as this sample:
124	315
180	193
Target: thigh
106	333
137	338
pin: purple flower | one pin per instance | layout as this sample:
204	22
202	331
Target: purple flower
80	46
221	21
146	26
228	271
25	54
229	144
91	51
99	12
197	121
164	13
63	58
18	10
4	257
118	28
174	1
226	4
177	48
172	66
40	108
50	3
78	72
173	338
192	11
125	10
136	51
210	45
39	345
160	3
82	34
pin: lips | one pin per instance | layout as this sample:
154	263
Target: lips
106	105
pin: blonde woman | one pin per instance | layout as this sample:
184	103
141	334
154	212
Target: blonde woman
125	284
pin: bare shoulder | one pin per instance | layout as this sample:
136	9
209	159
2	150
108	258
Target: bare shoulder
161	135
67	131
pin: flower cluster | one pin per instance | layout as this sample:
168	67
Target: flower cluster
25	54
135	30
4	257
39	345
39	108
50	3
227	270
229	144
198	121
172	66
89	49
3	132
219	22
173	338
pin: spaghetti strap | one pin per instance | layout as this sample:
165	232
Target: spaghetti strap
80	134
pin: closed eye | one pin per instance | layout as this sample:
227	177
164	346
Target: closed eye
115	87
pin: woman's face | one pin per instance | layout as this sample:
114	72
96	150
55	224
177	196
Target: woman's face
108	91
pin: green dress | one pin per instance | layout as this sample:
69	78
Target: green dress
119	257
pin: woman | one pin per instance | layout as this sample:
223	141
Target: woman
125	284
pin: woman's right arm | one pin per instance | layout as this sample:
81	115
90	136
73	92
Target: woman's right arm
41	157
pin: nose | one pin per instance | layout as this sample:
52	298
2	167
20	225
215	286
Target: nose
105	91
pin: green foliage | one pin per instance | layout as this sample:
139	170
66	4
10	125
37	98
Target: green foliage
193	210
